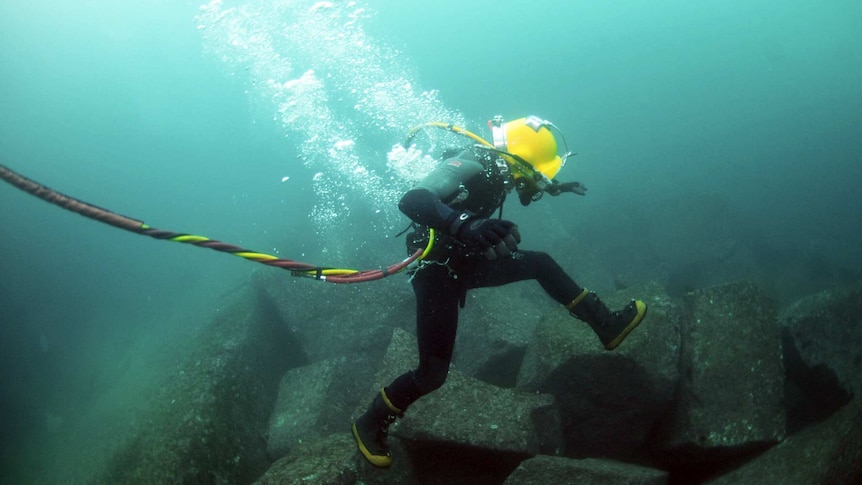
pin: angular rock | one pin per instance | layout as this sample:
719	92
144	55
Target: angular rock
590	471
495	427
469	428
328	460
401	355
732	388
494	330
315	401
206	423
825	331
334	460
340	319
830	452
472	413
609	401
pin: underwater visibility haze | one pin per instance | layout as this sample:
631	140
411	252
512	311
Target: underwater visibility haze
719	140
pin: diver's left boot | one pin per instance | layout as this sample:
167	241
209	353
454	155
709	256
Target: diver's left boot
611	327
371	429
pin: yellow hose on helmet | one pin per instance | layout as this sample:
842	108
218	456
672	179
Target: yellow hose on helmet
445	126
520	165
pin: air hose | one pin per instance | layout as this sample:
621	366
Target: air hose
320	273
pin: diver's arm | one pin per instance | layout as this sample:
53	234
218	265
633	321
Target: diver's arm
424	204
494	238
557	188
425	207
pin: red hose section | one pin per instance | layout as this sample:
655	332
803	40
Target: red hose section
376	274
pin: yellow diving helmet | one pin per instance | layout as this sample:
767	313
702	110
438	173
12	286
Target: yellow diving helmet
529	147
526	148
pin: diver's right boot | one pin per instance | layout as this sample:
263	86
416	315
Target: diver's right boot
371	429
611	327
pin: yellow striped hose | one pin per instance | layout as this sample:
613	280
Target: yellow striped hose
322	273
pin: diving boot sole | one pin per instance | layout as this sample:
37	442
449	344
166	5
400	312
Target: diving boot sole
642	309
380	461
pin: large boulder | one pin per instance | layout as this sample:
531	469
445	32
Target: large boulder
732	388
206	423
494	329
468	412
825	332
469	428
830	452
340	319
589	471
333	460
467	424
327	460
609	401
315	401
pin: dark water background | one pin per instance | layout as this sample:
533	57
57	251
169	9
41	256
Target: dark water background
755	106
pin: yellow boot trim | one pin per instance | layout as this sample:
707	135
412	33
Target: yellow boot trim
642	308
389	404
571	306
380	461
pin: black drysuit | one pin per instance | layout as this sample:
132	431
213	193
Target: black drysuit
469	182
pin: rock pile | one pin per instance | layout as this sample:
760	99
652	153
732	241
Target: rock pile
710	387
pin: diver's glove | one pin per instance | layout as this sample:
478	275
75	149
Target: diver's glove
497	238
574	187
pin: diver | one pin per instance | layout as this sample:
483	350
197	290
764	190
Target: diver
474	249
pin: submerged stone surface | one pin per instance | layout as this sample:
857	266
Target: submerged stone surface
494	330
314	401
331	321
334	460
471	413
588	471
829	452
609	401
206	424
825	330
732	389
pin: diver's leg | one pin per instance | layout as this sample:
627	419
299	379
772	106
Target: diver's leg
527	265
437	297
610	327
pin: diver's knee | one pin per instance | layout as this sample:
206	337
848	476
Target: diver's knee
432	377
543	258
